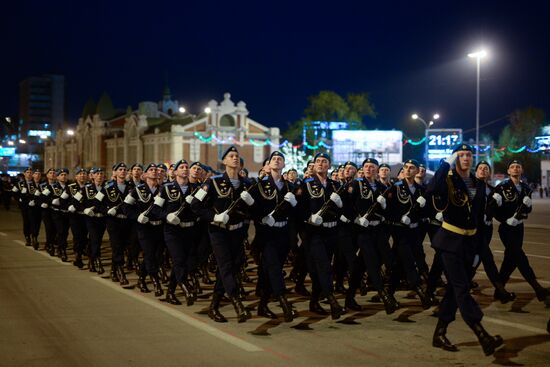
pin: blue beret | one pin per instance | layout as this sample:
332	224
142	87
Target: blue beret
62	170
384	165
150	165
230	149
322	155
370	160
118	165
462	147
276	153
162	165
514	161
80	169
414	162
350	163
483	162
180	162
136	165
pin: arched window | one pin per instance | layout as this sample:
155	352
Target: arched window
227	121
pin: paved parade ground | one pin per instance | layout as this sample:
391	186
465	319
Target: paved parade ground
52	314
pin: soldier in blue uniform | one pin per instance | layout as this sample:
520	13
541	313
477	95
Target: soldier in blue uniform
137	206
456	243
320	206
95	216
35	211
516	206
22	190
60	213
405	201
220	202
273	202
136	173
46	190
118	227
180	231
79	229
366	207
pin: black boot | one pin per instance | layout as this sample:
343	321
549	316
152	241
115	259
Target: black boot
350	302
336	311
78	261
142	284
34	241
263	310
157	284
64	256
502	295
287	308
390	303
171	295
100	269
205	277
488	343
314	305
114	273
91	265
122	275
27	240
543	294
440	338
424	297
51	250
189	296
214	309
302	290
196	283
242	313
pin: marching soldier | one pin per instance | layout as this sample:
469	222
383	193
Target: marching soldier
220	202
75	190
95	217
46	189
35	211
136	173
22	189
6	190
273	202
60	213
320	206
516	206
456	243
118	226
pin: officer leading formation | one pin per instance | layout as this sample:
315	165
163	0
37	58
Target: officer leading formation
176	226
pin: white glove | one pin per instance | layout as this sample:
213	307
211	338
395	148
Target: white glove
247	198
142	219
64	196
55	201
336	199
129	200
71	208
89	212
44	206
421	201
31	203
439	216
498	198
15	189
316	219
189	199
221	218
452	158
382	201
512	221
23	190
269	220
77	196
527	201
362	221
291	199
37	193
172	218
99	196
112	211
46	192
406	220
343	219
159	201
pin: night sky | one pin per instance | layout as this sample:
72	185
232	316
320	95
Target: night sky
273	55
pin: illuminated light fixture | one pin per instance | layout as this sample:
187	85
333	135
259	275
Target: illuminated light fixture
43	137
207	110
8	120
431	123
70	132
10	142
436	116
182	109
414	116
21	141
481	54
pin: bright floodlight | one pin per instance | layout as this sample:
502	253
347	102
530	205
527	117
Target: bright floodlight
10	142
8	120
207	110
478	54
70	132
43	137
414	116
431	123
21	141
182	109
436	116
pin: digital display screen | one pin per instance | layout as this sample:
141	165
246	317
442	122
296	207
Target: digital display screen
440	142
356	145
7	152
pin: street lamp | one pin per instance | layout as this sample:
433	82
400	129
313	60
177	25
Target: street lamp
21	141
181	110
427	125
478	55
207	110
70	132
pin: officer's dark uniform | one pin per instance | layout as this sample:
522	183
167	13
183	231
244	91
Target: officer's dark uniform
35	212
435	204
217	195
511	232
118	226
271	215
456	242
95	221
363	203
404	203
180	233
321	238
22	193
45	203
137	206
134	248
77	219
60	215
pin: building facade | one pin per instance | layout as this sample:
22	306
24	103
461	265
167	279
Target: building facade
156	132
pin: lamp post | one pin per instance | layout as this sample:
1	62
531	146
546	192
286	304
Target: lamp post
478	55
427	126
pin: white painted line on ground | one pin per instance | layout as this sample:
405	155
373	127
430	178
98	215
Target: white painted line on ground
43	253
528	255
3	234
515	325
246	346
